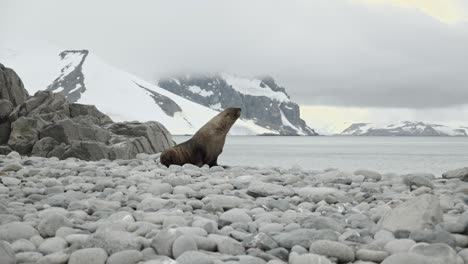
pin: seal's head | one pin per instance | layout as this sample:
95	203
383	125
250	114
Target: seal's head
227	118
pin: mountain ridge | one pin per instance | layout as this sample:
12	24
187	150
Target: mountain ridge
404	128
261	99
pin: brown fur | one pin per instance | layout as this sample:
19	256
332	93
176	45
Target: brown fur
206	145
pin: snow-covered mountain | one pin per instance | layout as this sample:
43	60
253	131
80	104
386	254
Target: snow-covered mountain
85	78
261	99
405	128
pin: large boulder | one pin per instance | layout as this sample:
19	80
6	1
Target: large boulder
66	131
157	135
46	105
88	113
24	133
11	86
420	213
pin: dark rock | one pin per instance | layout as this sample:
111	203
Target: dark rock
89	111
24	133
156	134
66	131
11	87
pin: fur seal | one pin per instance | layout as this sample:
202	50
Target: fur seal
206	145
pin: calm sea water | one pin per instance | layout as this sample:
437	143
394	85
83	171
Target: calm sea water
384	154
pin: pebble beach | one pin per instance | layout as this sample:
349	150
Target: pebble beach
138	211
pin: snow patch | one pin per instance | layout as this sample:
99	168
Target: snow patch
252	87
197	90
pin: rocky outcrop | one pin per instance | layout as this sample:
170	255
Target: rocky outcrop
47	125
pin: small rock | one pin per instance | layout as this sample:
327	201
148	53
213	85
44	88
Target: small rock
295	258
371	255
235	216
399	246
125	257
227	245
16	230
7	255
332	249
264	189
52	245
113	241
51	223
88	256
375	176
28	257
54	258
13	166
194	257
23	245
183	244
261	241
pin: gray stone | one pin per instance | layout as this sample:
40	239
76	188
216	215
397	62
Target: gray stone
235	216
399	246
261	241
461	174
164	240
226	202
408	258
373	175
194	257
52	245
371	255
304	237
16	230
183	244
262	189
51	223
417	180
464	254
125	257
88	256
295	258
436	252
433	236
23	245
227	245
419	213
28	257
114	241
54	258
7	255
332	249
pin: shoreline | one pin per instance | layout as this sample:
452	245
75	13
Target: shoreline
137	211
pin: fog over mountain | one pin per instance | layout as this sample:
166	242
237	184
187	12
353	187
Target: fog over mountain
370	55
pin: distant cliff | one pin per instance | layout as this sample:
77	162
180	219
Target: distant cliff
263	102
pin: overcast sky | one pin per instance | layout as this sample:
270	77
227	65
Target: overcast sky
398	55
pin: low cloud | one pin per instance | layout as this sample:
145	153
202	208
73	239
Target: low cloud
335	53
